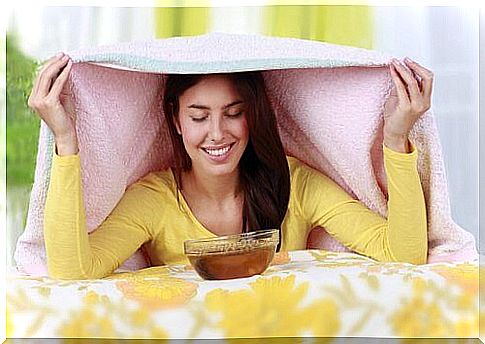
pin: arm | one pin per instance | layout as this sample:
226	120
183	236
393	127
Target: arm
71	252
402	237
406	219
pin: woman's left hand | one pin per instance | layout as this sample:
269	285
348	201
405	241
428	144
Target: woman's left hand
409	99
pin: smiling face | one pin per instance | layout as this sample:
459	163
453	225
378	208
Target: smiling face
212	122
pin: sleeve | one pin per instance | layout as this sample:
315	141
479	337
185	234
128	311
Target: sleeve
401	237
71	252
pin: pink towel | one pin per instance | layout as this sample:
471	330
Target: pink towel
328	99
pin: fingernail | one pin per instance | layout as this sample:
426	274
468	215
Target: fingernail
59	54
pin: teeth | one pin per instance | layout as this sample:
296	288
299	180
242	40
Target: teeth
218	152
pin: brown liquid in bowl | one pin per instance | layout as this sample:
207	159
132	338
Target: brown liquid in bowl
232	264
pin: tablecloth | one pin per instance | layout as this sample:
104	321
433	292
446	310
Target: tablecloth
307	293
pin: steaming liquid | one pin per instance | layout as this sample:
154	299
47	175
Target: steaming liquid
232	264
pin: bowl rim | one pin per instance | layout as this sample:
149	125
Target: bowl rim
246	235
231	236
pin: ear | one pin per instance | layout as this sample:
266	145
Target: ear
177	125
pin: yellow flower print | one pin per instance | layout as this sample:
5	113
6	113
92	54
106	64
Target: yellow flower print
467	328
466	302
99	317
92	298
422	316
419	317
343	264
158	334
420	286
372	280
281	258
322	255
464	275
140	317
272	307
155	271
322	317
163	292
87	323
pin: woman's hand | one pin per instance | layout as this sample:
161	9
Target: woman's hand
52	102
409	99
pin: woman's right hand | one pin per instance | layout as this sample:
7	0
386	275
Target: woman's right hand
52	102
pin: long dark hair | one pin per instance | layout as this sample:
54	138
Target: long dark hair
264	172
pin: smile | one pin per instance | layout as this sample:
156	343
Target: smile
219	151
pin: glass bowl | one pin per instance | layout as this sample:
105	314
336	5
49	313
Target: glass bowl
232	256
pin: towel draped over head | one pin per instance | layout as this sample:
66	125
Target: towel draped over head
328	99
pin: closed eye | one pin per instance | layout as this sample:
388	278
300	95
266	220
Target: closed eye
199	119
234	115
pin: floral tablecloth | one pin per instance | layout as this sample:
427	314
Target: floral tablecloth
304	293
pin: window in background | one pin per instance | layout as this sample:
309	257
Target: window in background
346	25
445	40
181	21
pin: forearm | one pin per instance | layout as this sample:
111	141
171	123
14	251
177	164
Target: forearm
69	255
407	223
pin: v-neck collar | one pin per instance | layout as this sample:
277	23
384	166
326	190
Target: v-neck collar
179	195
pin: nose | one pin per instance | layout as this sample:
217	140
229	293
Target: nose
216	132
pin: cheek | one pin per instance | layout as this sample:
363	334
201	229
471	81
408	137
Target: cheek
191	136
245	131
241	129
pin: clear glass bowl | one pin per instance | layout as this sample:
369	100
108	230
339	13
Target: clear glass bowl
232	256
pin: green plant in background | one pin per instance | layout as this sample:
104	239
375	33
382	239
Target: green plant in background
22	124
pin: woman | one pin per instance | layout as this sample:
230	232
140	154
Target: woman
230	175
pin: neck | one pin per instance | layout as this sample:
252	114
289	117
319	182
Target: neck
216	189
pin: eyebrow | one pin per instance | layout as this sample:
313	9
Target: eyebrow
203	107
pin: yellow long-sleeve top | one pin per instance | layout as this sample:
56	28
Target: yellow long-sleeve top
150	213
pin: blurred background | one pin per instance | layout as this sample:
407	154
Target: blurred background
445	39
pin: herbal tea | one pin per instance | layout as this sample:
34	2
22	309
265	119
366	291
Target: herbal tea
229	265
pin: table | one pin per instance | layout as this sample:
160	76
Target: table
312	293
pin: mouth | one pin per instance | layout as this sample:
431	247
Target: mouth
218	153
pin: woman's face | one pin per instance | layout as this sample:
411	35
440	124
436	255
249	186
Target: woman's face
212	122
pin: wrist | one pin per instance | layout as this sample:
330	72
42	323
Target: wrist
66	144
397	143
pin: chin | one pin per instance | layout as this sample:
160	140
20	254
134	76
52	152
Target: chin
223	170
219	169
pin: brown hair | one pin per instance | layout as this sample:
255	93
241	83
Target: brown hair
264	171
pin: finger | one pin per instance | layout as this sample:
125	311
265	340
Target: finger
399	85
426	77
422	69
411	83
46	64
418	79
49	74
41	69
60	81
